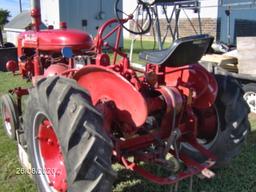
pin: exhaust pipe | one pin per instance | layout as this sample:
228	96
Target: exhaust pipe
36	14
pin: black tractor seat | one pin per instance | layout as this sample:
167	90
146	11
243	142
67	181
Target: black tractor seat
183	51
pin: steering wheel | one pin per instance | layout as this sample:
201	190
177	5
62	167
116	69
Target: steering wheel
140	18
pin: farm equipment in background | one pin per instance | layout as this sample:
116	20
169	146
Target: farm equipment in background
7	51
86	111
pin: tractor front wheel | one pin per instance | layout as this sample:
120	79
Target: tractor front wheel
67	147
10	115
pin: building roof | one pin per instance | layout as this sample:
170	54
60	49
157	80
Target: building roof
20	22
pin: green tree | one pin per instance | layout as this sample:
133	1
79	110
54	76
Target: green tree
4	15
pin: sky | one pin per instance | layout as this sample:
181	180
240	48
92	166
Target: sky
13	6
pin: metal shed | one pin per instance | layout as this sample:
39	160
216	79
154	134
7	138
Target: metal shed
16	26
85	15
236	18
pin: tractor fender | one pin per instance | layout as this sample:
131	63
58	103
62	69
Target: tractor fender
194	77
105	84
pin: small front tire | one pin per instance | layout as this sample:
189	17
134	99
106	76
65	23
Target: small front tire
10	116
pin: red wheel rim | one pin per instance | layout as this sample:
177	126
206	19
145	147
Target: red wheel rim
7	119
52	159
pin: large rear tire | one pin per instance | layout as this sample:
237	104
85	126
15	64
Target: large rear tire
68	149
232	121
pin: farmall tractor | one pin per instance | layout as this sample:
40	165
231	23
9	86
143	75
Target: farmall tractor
86	111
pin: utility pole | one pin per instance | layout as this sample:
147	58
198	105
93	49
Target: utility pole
20	6
1	38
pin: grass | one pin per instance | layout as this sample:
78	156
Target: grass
139	46
238	177
9	163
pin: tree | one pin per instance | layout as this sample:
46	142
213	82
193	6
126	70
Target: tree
4	15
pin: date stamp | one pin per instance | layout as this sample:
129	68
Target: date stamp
37	171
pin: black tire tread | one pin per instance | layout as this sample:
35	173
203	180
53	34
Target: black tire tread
80	144
233	112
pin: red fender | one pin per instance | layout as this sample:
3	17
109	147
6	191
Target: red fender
198	79
103	83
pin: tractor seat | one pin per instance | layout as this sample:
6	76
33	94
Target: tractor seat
183	51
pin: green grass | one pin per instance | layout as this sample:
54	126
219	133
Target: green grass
9	162
139	46
238	177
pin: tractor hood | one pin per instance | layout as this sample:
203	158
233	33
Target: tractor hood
55	40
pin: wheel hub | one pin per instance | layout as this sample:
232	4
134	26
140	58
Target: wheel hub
250	98
7	120
52	160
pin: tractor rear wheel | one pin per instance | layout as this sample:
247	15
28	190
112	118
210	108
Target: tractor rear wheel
225	125
67	147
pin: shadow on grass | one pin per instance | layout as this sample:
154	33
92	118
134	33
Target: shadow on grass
129	181
252	138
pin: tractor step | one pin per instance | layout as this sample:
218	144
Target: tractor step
24	160
23	156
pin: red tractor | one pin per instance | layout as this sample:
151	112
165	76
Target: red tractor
86	111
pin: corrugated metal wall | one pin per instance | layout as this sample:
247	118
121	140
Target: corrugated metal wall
86	15
241	21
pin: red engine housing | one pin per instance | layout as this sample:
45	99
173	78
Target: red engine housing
32	43
54	40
